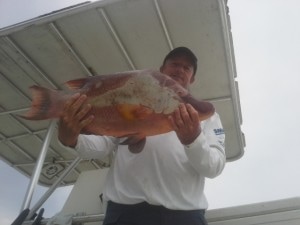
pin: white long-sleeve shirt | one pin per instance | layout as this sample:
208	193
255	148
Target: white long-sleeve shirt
166	172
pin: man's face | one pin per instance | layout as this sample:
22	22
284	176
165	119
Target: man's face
179	69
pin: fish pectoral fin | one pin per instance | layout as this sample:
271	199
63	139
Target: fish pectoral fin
142	112
133	112
135	144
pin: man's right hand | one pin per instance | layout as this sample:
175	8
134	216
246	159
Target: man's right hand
73	119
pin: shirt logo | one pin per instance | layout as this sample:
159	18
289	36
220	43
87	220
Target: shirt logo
219	131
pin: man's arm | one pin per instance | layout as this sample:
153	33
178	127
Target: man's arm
204	146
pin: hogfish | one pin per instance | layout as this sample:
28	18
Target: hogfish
133	104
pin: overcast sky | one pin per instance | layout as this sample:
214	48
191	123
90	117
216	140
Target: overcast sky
266	38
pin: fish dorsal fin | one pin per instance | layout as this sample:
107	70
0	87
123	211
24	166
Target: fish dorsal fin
76	84
135	144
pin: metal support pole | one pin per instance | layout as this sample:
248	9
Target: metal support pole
53	187
38	166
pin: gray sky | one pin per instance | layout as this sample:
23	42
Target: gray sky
267	48
266	38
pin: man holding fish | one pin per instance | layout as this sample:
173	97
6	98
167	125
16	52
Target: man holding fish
160	181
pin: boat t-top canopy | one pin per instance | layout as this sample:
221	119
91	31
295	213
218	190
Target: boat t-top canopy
104	37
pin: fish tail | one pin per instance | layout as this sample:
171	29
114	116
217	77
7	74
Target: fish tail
45	104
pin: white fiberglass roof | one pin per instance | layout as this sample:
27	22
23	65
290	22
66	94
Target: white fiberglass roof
105	37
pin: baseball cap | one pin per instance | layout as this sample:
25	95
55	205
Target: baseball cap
183	51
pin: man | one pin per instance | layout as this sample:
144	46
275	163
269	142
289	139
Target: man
164	184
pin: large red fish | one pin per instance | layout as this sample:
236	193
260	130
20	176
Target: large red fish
133	104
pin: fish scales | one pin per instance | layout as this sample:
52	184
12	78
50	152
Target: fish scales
144	90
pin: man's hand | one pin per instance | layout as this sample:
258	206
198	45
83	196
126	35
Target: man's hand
73	120
185	122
